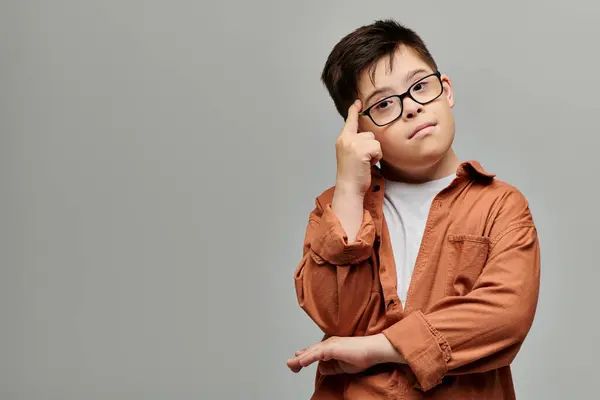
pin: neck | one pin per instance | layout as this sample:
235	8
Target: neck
446	166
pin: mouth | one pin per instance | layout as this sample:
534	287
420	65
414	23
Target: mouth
421	130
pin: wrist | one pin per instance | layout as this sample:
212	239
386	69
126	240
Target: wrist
349	190
384	352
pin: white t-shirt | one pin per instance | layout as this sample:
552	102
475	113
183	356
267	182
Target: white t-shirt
406	208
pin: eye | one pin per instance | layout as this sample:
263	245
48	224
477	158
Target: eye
420	86
383	104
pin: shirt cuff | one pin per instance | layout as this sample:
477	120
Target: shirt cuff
424	348
330	243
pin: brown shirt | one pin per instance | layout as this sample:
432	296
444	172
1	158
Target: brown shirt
471	299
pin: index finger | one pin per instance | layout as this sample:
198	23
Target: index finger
351	125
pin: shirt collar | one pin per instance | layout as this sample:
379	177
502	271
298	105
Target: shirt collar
467	169
474	170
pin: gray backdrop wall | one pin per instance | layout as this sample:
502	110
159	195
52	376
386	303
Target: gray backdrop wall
158	160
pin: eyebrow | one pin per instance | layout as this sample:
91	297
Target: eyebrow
388	89
412	74
385	89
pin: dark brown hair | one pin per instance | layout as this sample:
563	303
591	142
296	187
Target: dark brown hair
362	49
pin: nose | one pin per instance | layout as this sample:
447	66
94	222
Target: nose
411	108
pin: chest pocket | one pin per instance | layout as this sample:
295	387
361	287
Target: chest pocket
467	255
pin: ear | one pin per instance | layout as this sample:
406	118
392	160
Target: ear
448	91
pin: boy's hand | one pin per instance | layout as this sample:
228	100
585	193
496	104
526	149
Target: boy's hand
356	153
347	355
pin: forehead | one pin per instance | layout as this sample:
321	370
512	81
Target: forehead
391	71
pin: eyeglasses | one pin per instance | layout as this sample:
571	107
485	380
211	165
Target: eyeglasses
423	91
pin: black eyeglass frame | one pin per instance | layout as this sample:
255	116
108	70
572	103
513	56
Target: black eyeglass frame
402	96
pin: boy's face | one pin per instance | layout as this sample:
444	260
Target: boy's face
401	148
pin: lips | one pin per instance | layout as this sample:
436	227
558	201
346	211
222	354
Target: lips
420	127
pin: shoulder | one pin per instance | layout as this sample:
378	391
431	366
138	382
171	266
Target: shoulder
506	207
486	190
506	195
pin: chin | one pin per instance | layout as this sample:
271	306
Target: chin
424	158
429	159
433	150
428	151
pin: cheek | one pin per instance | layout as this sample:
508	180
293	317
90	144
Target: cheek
366	125
445	118
392	136
449	122
393	146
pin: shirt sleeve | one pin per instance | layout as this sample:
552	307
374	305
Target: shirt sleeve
333	279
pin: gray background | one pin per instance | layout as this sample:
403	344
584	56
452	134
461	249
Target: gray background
158	160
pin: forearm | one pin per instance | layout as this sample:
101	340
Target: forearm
384	352
348	207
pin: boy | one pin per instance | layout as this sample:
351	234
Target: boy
423	272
